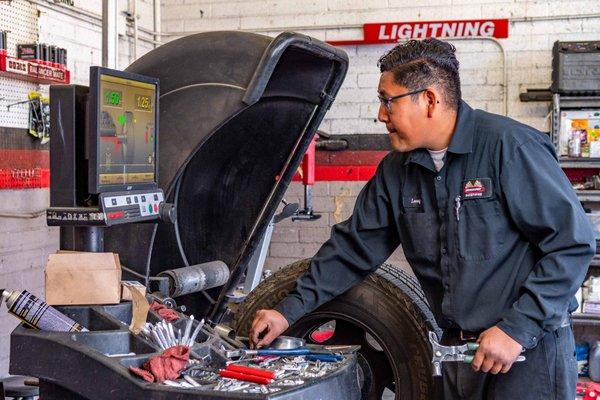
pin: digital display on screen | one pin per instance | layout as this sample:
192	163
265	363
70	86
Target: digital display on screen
126	149
112	98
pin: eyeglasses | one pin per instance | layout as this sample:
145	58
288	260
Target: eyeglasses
387	101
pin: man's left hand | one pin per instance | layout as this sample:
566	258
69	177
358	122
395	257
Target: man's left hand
497	351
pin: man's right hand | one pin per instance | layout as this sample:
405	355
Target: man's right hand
267	325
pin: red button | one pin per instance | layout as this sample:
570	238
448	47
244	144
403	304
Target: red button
115	214
155	207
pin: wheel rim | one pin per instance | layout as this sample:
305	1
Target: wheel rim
377	372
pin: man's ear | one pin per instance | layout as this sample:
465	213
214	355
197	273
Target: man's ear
432	101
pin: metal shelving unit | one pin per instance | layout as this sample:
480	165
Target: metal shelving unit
586	319
588	195
568	162
564	102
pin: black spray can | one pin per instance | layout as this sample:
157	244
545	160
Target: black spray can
38	313
3	44
44	52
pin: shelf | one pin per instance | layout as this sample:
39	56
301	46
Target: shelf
588	195
536	95
32	71
586	319
582	162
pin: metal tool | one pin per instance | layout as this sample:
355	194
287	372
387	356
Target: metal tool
334	349
267	352
287	343
314	356
163	334
452	353
324	357
241	376
195	333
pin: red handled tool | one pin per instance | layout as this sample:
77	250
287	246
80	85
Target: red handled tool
265	373
248	374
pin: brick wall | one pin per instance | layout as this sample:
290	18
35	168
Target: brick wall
26	243
295	240
528	56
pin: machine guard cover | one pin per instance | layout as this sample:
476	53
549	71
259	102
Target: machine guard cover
238	110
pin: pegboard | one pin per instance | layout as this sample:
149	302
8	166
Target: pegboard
19	18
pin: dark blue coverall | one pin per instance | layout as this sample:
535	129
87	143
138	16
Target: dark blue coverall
497	237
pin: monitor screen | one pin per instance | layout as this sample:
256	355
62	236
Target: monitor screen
126	131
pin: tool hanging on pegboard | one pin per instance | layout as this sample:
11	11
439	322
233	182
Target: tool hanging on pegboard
39	115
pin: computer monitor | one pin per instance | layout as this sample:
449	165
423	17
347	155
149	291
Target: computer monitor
122	131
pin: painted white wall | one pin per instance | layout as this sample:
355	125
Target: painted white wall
528	47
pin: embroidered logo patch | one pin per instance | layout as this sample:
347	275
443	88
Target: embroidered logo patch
415	201
477	188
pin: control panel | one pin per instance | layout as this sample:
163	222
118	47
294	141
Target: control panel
132	206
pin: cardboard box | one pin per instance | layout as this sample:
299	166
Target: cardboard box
83	278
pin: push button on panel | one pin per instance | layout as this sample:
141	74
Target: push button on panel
115	215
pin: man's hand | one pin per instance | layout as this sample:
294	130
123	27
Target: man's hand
267	325
497	351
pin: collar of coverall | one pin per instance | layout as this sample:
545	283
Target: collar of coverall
462	138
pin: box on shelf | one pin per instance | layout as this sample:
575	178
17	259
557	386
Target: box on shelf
579	133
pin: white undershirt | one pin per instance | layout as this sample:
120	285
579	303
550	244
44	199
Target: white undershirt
438	157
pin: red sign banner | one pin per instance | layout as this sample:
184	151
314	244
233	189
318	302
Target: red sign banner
32	71
392	32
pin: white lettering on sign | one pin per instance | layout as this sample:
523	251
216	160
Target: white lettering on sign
16	66
436	29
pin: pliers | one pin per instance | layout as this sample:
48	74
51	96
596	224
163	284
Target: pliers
452	353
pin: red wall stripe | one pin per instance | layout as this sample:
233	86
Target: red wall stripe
24	178
24	169
21	169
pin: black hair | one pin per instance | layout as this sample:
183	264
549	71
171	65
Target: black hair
418	64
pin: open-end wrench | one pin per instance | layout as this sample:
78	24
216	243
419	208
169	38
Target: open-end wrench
452	353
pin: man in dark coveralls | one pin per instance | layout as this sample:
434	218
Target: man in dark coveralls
488	222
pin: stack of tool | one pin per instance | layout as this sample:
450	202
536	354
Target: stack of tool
163	333
268	371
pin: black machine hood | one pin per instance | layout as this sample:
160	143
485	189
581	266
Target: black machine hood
237	112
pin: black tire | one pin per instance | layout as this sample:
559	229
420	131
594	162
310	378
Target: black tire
389	305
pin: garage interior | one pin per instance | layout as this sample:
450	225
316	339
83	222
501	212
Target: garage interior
261	129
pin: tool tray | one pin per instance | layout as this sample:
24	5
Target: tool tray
78	366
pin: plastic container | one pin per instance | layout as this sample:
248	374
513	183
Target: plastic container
594	362
582	351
